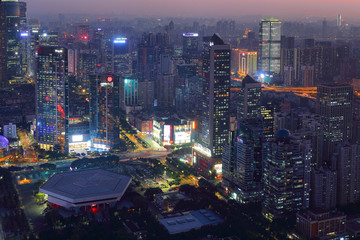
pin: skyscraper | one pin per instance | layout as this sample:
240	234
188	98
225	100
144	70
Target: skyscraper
334	105
122	58
250	99
269	46
348	169
216	96
284	177
3	53
190	44
52	95
13	10
104	111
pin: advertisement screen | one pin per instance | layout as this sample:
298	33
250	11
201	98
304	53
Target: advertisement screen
77	138
167	133
218	168
182	137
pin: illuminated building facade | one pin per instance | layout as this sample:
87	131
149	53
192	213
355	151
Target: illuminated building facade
269	46
334	105
215	123
3	52
247	63
52	98
348	169
122	57
129	93
190	44
243	162
250	99
15	23
84	33
284	177
104	111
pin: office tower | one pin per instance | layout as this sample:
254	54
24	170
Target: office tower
269	46
86	65
323	189
49	39
13	26
52	98
129	92
289	76
165	87
34	29
190	44
3	52
122	58
334	105
166	67
268	114
307	76
348	170
104	111
84	33
339	20
249	64
249	161
285	186
324	29
216	96
250	99
146	94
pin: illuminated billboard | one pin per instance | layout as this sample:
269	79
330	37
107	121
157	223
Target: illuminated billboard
77	138
190	34
120	40
182	137
167	133
156	130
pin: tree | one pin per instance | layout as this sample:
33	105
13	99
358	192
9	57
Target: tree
151	192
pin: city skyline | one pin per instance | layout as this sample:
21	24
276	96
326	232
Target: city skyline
200	8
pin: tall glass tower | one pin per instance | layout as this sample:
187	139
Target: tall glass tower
52	98
216	96
269	46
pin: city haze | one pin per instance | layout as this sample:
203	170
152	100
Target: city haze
200	8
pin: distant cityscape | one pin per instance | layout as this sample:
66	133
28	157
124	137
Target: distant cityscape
199	129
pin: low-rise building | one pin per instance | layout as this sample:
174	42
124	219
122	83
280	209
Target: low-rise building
320	224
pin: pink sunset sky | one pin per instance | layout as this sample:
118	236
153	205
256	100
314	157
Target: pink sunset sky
201	8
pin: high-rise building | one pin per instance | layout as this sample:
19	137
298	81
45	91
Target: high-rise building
84	33
285	174
104	111
122	58
247	63
334	105
14	21
339	20
129	92
348	169
52	98
216	96
269	46
323	189
190	44
3	51
242	168
250	99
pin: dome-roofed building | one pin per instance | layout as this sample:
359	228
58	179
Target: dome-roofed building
282	133
4	142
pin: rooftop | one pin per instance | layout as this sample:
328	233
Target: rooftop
190	220
89	185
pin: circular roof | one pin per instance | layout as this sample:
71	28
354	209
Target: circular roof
4	143
282	133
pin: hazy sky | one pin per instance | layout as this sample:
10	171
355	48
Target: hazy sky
201	8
